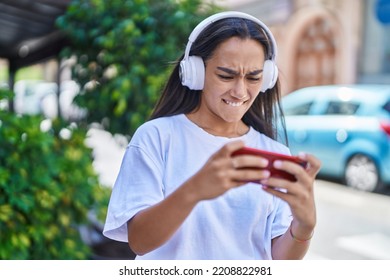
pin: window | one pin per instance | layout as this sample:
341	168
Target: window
341	108
302	109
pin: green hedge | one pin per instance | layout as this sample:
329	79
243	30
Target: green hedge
47	187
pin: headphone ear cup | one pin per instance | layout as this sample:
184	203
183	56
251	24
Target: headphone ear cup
192	72
270	75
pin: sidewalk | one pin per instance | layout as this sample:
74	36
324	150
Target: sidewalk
107	154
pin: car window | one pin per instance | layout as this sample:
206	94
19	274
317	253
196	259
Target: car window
387	106
341	108
301	109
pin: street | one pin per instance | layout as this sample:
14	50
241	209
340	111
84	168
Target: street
351	225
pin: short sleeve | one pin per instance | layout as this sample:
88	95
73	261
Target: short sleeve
138	186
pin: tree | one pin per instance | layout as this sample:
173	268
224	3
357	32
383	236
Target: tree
122	49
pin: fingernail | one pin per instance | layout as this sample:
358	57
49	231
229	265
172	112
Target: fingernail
277	163
264	162
302	155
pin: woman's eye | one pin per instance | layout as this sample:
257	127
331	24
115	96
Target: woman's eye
253	79
225	77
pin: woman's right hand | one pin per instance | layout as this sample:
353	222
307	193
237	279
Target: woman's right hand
223	172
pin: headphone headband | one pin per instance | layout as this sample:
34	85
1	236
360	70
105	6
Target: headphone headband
192	69
230	14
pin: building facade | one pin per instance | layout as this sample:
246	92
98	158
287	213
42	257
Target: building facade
325	41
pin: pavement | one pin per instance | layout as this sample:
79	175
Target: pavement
108	151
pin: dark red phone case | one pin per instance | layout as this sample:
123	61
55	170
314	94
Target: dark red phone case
271	158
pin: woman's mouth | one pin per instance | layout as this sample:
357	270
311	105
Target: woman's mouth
234	104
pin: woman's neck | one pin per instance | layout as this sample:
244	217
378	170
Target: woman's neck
218	127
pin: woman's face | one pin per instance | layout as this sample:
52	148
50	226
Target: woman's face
233	80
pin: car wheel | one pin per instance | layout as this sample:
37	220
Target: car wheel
361	173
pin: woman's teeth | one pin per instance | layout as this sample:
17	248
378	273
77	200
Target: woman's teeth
234	104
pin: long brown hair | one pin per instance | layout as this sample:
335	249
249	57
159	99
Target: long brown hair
265	111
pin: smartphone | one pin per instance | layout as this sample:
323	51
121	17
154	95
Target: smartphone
271	158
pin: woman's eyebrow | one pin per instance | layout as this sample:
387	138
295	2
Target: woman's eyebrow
232	72
255	72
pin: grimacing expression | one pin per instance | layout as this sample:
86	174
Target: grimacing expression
233	79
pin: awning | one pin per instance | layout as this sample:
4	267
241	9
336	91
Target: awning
27	30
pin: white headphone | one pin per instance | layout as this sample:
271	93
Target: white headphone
192	72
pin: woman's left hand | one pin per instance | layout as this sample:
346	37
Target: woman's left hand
300	194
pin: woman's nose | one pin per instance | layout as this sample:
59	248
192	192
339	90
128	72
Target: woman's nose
239	90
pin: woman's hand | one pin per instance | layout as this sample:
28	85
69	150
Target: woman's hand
299	195
223	172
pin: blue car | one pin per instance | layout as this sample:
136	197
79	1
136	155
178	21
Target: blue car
347	127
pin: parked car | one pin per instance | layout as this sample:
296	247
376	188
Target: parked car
347	127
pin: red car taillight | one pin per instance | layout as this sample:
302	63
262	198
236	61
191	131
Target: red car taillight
385	125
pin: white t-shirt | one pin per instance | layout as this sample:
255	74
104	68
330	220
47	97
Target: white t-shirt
161	156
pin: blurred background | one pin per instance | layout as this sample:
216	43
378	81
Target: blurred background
78	77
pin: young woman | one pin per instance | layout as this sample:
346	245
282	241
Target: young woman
180	194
